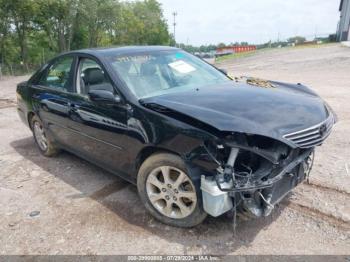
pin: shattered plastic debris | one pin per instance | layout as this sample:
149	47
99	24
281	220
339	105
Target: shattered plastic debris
255	82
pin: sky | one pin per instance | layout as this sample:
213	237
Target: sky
255	21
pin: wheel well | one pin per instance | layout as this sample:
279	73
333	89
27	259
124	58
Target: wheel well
148	151
30	116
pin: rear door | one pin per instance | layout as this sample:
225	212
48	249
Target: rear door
50	96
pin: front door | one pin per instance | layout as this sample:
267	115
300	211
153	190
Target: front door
97	128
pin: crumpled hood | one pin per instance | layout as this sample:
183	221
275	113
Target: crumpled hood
240	107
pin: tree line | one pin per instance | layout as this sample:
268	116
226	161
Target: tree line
210	47
32	31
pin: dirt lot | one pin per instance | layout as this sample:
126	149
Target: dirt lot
84	210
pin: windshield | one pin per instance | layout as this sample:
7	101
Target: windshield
161	72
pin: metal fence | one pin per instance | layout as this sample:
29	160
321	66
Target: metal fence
17	69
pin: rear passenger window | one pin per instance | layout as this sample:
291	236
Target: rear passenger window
58	74
92	77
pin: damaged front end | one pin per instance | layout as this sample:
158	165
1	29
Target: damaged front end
253	174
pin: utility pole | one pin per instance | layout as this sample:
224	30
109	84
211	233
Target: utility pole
315	32
174	24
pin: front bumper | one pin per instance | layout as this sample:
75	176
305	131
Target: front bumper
258	196
271	181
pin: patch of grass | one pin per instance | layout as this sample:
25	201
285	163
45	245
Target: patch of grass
235	56
314	45
250	53
306	46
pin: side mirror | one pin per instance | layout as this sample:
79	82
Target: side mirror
224	71
104	96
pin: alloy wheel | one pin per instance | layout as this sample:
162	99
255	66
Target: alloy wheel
40	135
171	192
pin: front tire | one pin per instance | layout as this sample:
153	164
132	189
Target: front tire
168	192
44	143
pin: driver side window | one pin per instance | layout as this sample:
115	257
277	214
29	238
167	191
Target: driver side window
92	77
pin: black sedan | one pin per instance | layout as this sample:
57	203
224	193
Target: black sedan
193	140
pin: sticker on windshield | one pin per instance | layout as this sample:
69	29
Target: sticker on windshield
182	67
179	55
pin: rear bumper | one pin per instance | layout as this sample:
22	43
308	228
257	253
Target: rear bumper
22	110
22	116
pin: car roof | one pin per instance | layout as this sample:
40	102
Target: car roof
120	50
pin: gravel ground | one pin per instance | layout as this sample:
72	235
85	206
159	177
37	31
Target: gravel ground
65	205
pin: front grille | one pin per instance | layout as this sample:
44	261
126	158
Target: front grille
312	136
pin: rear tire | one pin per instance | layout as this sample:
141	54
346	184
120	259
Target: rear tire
43	142
168	192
